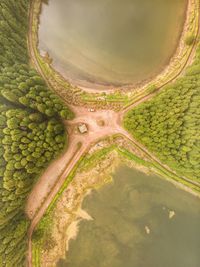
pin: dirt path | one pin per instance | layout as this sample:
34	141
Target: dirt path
54	176
58	169
59	166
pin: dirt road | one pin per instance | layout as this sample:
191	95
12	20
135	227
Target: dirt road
59	166
100	124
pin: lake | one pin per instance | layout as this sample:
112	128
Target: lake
110	42
132	227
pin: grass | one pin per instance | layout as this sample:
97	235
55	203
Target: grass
35	255
90	161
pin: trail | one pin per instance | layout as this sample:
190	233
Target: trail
54	176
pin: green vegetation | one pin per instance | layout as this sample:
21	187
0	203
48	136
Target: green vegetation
31	131
169	124
190	39
42	238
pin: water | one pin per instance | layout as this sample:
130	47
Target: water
110	41
121	211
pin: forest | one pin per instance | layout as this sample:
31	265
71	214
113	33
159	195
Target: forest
169	124
31	129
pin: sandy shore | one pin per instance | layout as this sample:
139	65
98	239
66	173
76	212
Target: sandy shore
69	212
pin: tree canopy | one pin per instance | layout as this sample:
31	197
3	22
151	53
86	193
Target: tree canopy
169	124
31	129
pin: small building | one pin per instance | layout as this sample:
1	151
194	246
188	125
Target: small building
82	128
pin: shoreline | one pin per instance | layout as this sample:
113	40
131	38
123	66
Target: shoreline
89	83
73	214
170	72
74	208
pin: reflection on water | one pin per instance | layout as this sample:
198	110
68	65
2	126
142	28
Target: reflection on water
132	225
111	41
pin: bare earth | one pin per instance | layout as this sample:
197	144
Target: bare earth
64	164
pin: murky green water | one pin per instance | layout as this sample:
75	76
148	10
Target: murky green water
111	41
117	236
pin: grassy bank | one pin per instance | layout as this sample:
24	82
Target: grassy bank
89	162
